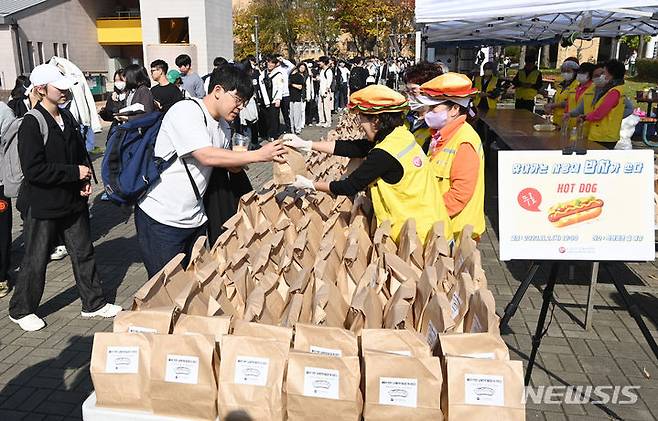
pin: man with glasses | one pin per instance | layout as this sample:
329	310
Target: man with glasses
164	93
172	216
53	201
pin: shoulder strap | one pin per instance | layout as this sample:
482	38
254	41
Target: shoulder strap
197	194
43	124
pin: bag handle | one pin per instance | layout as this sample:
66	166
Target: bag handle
197	194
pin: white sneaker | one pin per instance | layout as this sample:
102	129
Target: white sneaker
59	253
29	323
108	310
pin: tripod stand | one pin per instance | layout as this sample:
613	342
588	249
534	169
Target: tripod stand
547	297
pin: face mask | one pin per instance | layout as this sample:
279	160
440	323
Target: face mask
64	105
567	76
600	81
120	85
582	77
414	105
436	120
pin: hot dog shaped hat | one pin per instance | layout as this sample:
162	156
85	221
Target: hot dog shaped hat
377	99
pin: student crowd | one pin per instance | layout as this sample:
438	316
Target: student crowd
424	159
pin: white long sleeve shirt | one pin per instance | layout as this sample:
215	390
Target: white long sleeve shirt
326	77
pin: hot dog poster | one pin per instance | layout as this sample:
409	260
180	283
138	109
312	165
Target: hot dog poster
597	206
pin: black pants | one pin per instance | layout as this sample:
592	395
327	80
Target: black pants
222	198
5	234
39	235
312	112
342	96
285	110
608	145
525	104
272	122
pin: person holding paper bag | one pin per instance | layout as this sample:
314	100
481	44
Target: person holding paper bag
396	170
456	150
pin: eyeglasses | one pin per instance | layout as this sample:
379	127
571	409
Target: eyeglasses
239	102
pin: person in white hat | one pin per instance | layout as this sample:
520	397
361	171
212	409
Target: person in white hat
53	201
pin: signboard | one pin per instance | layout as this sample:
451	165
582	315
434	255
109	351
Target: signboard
598	206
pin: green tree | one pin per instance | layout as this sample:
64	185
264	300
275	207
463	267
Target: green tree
319	24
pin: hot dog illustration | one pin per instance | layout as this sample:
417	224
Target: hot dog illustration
574	211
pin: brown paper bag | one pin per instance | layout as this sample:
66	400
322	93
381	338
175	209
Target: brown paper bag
327	341
481	316
284	173
425	287
257	330
329	307
485	389
436	246
382	241
120	370
410	249
436	319
153	320
398	312
473	345
401	388
400	342
251	377
321	387
460	296
184	376
211	326
163	288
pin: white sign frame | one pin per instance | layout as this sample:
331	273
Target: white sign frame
622	180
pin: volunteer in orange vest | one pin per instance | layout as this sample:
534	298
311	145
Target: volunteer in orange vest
607	109
396	171
563	90
584	92
414	76
456	150
527	82
489	88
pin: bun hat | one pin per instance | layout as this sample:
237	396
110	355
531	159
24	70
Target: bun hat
377	99
448	86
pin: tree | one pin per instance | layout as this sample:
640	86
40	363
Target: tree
320	24
633	41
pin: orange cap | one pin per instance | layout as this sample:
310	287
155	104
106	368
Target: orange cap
376	99
449	85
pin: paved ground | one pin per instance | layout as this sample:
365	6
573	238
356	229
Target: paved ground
45	374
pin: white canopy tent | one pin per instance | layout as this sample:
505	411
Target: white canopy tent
492	22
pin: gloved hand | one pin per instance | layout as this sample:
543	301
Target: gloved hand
297	142
303	183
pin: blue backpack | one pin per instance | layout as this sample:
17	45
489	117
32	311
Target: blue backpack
129	166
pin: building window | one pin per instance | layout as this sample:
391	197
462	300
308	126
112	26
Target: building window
40	52
65	50
56	49
174	31
30	56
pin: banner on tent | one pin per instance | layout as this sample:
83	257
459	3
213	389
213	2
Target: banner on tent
597	206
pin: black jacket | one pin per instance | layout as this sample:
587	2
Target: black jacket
51	188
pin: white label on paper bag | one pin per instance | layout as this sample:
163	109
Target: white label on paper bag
432	335
327	352
122	360
140	329
455	305
398	391
321	383
481	355
182	369
403	353
251	370
484	389
476	327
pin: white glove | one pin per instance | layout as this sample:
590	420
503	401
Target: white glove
303	183
297	142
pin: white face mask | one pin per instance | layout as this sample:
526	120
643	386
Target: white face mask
582	77
436	119
120	85
600	81
568	76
